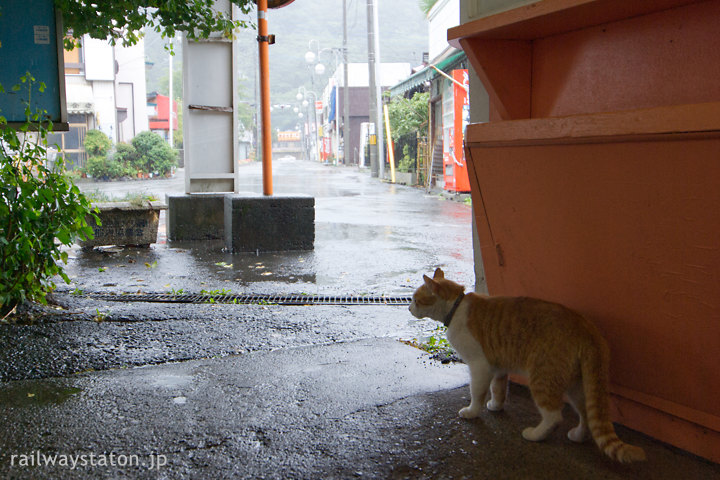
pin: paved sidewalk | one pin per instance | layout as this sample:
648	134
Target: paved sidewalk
371	408
167	391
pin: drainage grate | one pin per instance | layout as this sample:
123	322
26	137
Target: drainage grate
253	299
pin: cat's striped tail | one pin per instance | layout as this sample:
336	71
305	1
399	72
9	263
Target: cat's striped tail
595	378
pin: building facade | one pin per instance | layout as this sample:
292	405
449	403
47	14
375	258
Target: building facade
332	108
158	110
105	90
445	79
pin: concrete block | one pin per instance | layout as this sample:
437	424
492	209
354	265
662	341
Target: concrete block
196	217
269	224
405	178
123	223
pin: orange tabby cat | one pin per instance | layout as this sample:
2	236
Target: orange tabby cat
558	350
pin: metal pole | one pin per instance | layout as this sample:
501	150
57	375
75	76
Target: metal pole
337	122
263	44
374	164
170	95
316	143
346	89
391	154
378	94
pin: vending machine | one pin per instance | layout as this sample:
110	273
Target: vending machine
456	115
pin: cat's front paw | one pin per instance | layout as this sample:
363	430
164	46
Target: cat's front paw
469	412
577	434
531	434
494	406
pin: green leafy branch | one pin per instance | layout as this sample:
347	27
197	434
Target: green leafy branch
40	208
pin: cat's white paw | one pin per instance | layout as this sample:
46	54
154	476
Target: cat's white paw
494	406
577	434
532	434
468	412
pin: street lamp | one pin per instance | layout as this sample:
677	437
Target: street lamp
303	95
312	58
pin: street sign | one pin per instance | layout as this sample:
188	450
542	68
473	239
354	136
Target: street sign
318	105
31	41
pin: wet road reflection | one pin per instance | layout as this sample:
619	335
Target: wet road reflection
370	237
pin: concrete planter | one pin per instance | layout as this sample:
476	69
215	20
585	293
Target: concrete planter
405	178
125	224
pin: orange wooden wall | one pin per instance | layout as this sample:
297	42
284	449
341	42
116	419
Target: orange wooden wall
597	184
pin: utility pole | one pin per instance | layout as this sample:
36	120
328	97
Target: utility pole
170	94
375	161
346	89
263	43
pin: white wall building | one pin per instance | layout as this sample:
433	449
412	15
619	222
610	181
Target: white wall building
105	90
130	91
445	14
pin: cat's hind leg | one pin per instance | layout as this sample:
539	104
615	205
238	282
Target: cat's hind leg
480	377
576	396
549	403
498	392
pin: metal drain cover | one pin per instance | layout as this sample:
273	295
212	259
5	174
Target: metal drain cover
254	299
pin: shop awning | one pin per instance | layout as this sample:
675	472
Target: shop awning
426	74
79	97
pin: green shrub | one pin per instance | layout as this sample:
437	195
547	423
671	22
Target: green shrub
147	153
144	142
155	155
95	167
40	210
406	163
162	158
107	168
126	155
96	143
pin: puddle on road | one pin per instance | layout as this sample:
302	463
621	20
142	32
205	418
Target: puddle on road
171	380
29	394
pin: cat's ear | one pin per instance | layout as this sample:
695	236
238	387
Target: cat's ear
439	274
432	284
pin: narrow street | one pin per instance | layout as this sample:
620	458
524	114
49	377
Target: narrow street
165	391
370	238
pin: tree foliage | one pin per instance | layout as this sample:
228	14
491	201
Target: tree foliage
40	210
408	115
148	153
427	5
156	155
96	143
123	20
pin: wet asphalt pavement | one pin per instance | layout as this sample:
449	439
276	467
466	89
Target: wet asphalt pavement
141	390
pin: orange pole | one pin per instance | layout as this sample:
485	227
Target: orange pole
263	44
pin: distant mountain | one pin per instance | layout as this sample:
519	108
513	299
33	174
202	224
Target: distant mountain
403	38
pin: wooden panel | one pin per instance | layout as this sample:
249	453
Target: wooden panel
615	214
688	120
553	17
626	233
505	68
667	58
